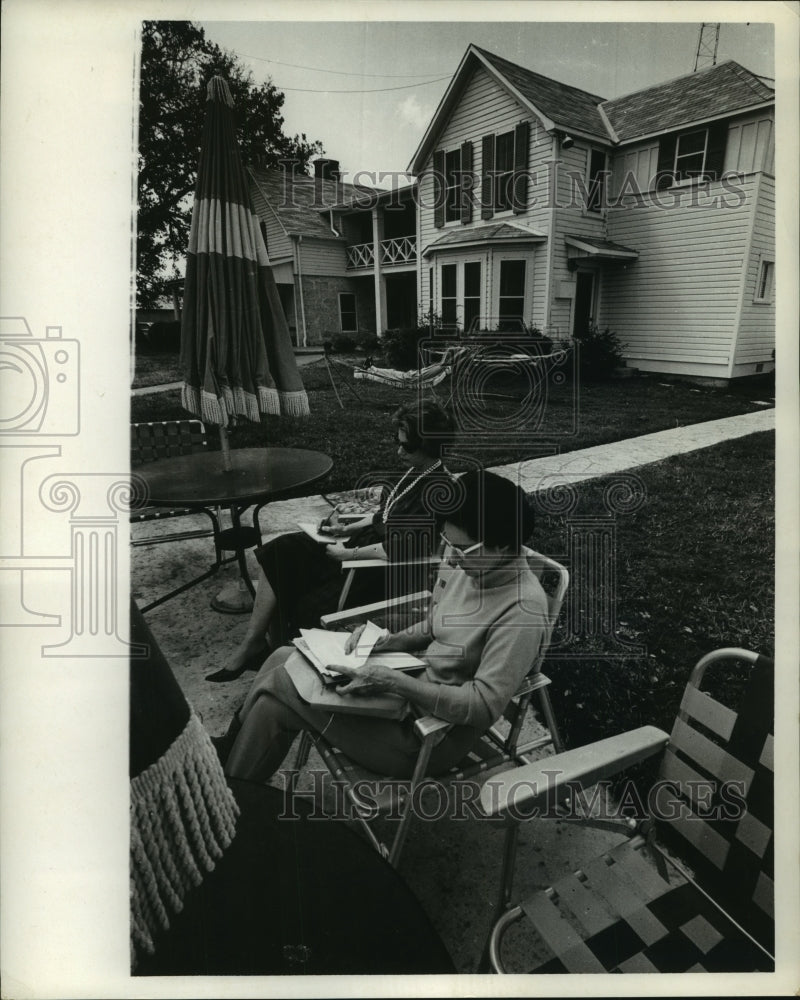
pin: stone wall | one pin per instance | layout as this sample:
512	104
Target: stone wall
321	302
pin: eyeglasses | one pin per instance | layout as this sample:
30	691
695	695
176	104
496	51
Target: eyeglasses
457	550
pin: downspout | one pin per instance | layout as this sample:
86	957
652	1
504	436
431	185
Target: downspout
297	255
330	223
553	196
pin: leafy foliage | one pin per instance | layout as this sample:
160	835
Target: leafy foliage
600	352
177	63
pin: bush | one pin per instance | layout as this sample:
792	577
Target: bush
165	337
600	352
401	346
368	343
343	343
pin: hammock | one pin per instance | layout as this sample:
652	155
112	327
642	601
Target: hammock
415	378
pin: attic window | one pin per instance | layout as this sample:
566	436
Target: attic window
690	154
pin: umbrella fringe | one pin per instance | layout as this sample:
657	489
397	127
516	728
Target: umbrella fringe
294	404
205	405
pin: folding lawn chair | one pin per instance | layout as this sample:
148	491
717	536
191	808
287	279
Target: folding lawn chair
167	439
498	747
713	806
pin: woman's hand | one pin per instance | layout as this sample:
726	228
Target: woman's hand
371	678
337	552
384	642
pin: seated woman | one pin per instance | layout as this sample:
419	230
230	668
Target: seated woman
480	638
300	579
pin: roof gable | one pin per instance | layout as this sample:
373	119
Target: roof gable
712	93
565	105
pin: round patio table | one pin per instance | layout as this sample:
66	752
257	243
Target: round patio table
256	477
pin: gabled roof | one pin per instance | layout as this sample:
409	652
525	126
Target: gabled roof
711	93
300	213
566	106
722	90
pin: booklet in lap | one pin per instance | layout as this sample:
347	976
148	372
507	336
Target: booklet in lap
325	649
310	688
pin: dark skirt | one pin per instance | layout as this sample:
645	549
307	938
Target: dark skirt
307	584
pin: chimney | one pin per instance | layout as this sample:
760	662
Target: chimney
324	170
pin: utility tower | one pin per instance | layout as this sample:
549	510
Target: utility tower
707	47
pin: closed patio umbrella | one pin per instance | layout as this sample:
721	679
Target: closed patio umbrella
236	351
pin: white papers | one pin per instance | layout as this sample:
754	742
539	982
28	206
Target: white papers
324	649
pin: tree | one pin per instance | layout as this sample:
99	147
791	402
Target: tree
177	63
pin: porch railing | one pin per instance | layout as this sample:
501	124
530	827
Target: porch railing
398	251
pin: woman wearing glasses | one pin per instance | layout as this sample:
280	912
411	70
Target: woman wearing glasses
480	638
300	579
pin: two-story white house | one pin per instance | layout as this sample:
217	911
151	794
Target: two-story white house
651	214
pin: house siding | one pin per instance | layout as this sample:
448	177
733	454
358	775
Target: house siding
485	107
676	307
323	257
756	338
571	218
279	243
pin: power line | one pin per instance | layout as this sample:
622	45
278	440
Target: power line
377	90
339	72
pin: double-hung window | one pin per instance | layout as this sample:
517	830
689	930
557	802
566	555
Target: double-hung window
504	171
452	182
348	322
690	154
450	295
512	295
595	201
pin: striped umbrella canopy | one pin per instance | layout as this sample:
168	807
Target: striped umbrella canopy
236	351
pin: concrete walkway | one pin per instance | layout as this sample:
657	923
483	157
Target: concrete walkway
452	866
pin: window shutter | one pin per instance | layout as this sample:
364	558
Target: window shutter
438	188
487	177
467	182
666	161
520	189
715	151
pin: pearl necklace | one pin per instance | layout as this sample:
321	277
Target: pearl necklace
392	499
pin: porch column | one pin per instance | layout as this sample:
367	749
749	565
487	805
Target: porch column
380	298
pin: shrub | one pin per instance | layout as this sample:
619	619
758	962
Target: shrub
343	343
368	343
401	346
600	352
165	337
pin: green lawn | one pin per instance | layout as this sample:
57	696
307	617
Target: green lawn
359	437
695	572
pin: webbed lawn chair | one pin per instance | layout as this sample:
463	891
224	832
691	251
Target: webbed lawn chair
168	439
621	913
498	747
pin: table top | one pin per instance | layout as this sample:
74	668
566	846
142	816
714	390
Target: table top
257	474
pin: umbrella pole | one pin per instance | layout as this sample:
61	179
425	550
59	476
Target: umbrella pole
226	448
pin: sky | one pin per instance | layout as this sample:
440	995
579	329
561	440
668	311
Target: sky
396	72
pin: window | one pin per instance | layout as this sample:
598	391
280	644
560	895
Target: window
449	294
597	181
430	294
504	171
766	277
512	294
452	185
347	312
690	154
472	293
